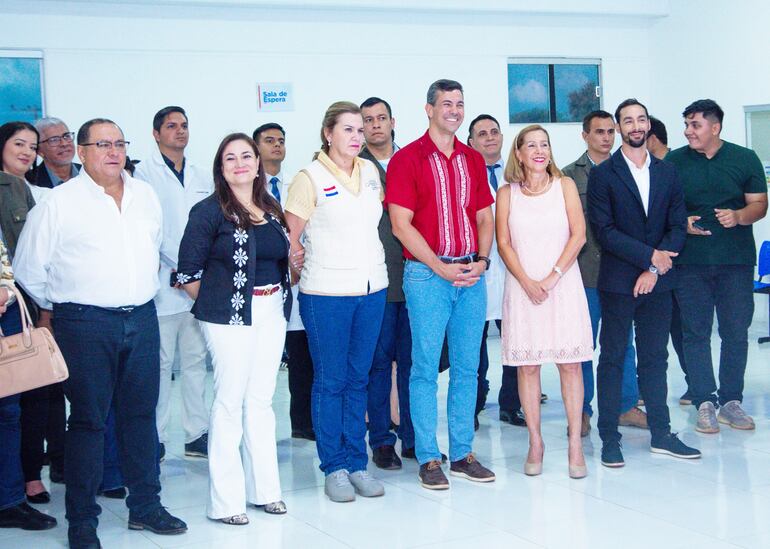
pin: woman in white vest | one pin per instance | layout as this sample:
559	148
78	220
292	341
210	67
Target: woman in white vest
337	202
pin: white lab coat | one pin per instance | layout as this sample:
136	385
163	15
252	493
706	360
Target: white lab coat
176	202
295	322
495	276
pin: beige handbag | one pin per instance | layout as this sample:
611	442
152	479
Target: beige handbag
29	359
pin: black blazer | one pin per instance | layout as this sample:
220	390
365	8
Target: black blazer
214	251
626	234
39	175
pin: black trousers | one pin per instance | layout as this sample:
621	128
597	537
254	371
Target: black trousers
300	380
677	338
651	318
42	418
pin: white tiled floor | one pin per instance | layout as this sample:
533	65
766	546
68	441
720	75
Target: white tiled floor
720	501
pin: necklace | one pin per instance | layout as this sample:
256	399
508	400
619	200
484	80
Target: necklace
530	192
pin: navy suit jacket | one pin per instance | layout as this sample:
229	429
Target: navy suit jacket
627	235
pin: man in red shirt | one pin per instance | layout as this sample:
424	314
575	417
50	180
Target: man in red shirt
440	208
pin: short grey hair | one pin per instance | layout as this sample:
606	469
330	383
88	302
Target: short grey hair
47	122
443	85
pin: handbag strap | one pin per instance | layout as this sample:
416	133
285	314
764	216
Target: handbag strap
26	323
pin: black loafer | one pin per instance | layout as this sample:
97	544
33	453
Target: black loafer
385	457
83	537
38	499
115	493
25	517
158	521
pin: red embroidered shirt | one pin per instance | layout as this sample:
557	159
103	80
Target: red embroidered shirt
444	194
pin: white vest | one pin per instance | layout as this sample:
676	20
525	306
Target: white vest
343	252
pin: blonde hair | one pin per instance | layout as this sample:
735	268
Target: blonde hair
331	117
514	171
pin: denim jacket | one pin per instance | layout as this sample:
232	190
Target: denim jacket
214	251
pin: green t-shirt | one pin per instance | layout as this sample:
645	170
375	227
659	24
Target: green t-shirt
719	182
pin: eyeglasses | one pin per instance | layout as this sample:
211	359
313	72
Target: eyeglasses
106	145
56	140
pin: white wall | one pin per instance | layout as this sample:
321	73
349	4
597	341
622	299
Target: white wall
129	66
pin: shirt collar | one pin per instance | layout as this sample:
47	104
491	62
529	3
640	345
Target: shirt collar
324	159
55	179
631	164
429	147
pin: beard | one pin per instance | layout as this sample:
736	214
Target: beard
635	143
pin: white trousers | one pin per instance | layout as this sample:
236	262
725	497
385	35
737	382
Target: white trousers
246	361
183	331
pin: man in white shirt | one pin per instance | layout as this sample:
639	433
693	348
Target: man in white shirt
179	186
271	145
91	252
485	136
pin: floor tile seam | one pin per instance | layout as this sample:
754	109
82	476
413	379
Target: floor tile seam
497	531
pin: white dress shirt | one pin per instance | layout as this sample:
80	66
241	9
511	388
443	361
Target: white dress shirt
495	276
642	178
176	201
78	247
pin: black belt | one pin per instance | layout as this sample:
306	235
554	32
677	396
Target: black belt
465	260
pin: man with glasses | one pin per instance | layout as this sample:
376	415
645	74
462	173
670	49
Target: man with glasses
92	253
57	149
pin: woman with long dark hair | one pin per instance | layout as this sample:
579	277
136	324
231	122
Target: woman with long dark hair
233	261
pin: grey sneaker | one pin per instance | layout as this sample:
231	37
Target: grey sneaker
338	488
366	485
733	415
707	418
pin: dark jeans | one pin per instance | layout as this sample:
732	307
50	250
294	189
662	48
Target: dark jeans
482	387
394	343
728	289
112	477
42	417
342	333
113	358
11	475
651	318
300	380
676	337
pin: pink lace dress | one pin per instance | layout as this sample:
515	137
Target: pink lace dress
559	329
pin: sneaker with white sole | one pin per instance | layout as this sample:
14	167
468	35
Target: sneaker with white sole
366	485
732	414
707	418
670	445
338	488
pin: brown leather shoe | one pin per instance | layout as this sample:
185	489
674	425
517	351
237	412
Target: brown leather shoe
432	477
585	425
470	468
633	418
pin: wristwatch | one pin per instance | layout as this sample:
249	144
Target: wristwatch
486	260
558	271
653	269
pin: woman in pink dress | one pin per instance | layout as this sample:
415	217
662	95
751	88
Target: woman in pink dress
540	230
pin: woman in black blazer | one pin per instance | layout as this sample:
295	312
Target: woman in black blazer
233	260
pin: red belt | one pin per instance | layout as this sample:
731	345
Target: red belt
266	291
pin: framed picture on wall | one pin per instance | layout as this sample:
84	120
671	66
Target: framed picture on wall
21	85
552	90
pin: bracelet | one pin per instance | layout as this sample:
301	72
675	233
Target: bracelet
486	260
558	271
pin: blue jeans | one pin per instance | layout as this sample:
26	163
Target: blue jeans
395	343
11	476
342	334
629	391
113	358
701	290
436	307
112	478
